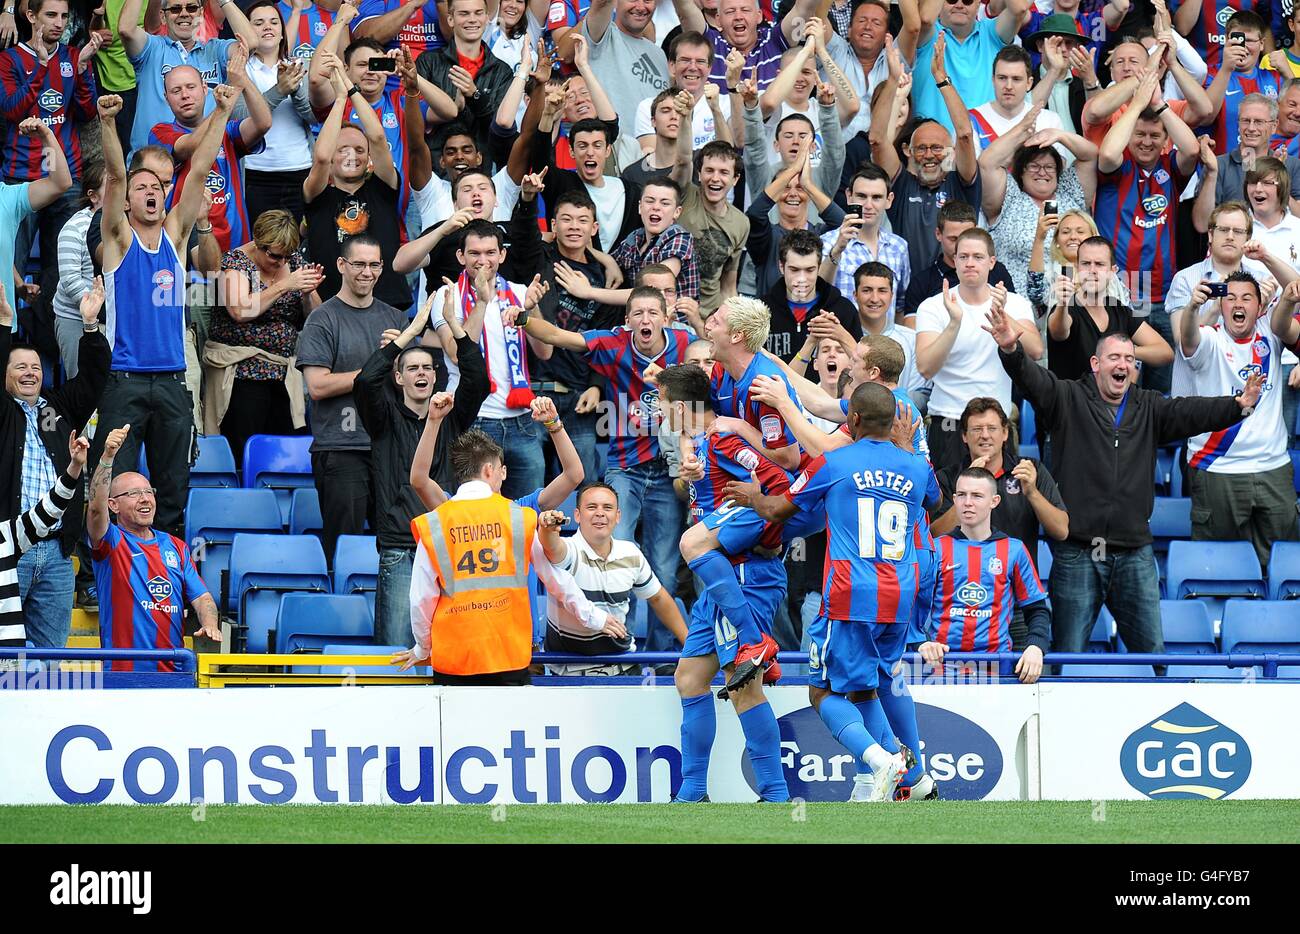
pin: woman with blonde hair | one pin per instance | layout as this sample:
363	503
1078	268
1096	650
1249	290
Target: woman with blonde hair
251	385
1071	229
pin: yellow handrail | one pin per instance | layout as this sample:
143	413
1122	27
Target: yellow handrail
211	675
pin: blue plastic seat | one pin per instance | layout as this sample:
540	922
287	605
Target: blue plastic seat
216	464
379	669
1029	451
212	519
356	567
1171	518
1261	626
1107	671
265	567
278	462
1213	572
1295	461
1028	427
1187	627
1284	571
304	511
1044	560
1102	638
310	621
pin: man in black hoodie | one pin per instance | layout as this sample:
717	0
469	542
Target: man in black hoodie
799	296
1104	438
393	402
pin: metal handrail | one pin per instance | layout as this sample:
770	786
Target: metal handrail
184	659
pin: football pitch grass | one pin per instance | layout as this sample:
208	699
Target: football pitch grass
922	822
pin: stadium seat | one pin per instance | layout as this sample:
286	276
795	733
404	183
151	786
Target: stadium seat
278	462
356	567
310	621
1284	571
212	519
304	511
1029	451
216	464
1213	572
1295	464
1044	560
1102	639
1187	627
1261	626
262	569
1171	518
1107	671
378	669
1028	427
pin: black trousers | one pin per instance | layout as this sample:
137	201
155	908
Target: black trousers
508	678
346	501
160	411
257	407
264	191
946	446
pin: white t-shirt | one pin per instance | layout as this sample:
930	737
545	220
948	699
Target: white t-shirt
1219	367
610	200
702	124
984	117
493	343
435	203
609	582
972	368
1283	241
289	141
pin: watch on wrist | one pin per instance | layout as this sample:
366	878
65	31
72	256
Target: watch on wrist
10	9
1161	109
1095	87
353	90
945	83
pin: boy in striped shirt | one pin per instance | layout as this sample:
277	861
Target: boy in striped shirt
983	576
20	534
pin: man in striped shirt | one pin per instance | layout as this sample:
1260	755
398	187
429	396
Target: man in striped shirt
983	577
609	570
741	27
20	534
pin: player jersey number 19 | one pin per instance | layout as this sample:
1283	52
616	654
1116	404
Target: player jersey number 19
888	525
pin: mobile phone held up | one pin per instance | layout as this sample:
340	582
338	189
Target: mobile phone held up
853	209
382	64
1049	207
1218	289
1237	38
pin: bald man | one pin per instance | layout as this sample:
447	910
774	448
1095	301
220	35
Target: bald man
145	577
187	95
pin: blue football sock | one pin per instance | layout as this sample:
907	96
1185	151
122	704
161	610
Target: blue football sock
899	707
763	743
845	723
699	726
873	716
724	590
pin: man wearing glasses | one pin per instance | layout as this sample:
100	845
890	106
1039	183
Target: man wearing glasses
1257	117
154	56
335	343
147	576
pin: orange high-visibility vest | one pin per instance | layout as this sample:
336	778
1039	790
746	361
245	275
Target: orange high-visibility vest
480	549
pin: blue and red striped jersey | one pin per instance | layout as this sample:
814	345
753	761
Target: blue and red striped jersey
1240	83
1136	210
1283	146
56	94
731	398
1207	35
144	587
979	585
225	181
728	457
420	33
313	23
871	493
634	437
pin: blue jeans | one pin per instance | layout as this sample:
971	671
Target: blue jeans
581	430
393	599
1124	579
520	437
645	492
45	586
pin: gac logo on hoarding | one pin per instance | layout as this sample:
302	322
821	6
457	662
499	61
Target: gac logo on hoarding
961	756
1185	753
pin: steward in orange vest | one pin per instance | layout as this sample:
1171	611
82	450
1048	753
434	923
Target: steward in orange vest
470	609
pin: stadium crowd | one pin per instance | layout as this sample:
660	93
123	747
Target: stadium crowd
650	252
